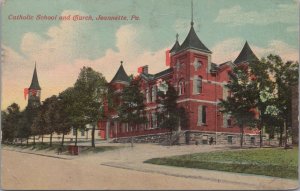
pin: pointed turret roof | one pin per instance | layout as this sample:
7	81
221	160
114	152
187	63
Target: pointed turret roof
246	55
35	82
121	75
176	46
193	41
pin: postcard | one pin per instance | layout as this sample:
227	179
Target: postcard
139	94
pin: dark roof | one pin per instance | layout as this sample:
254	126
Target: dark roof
176	47
35	82
246	55
121	75
214	67
157	75
164	72
192	41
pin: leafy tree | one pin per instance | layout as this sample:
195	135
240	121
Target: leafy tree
170	115
39	123
10	120
242	101
91	88
132	107
50	105
285	75
74	108
264	92
62	121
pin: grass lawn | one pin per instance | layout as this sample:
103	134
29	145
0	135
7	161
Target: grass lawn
55	146
277	162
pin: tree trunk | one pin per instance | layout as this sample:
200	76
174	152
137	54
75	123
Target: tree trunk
33	140
286	134
21	141
260	137
242	135
42	138
171	132
27	141
62	140
76	134
93	136
51	139
280	136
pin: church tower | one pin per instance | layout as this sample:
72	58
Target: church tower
34	91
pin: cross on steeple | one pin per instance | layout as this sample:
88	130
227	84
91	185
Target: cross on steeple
192	9
177	35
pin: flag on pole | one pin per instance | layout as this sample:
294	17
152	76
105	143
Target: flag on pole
25	93
140	69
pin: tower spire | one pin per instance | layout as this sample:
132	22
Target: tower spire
192	9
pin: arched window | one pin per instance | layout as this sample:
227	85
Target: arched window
153	93
197	84
147	96
202	110
181	87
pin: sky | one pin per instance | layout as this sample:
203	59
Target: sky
61	48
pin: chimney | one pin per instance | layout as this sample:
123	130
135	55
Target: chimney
145	69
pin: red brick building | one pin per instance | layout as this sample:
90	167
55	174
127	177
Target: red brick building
199	83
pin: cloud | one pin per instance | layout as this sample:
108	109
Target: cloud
62	53
229	49
236	15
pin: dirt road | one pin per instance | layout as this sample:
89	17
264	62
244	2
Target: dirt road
28	171
122	169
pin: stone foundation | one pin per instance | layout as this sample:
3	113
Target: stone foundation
153	138
194	137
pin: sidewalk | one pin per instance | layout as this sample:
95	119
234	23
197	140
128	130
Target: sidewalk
132	158
255	182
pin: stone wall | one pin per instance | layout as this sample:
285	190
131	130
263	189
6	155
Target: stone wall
154	138
193	137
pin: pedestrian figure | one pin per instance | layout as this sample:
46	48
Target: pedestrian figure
211	140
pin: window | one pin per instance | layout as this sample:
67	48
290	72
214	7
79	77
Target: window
197	64
201	115
181	87
204	115
197	84
229	139
82	132
227	121
225	92
154	120
147	96
153	94
252	139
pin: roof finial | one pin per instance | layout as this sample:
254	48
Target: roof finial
192	20
121	62
177	35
